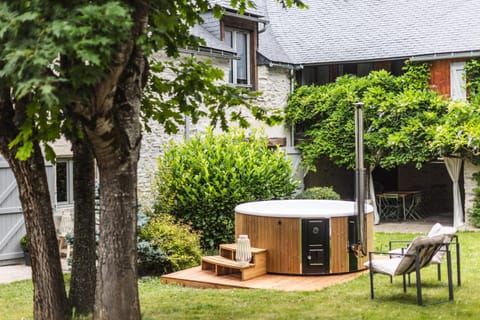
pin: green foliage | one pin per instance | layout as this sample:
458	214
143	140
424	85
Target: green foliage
459	130
166	246
472	71
202	180
400	117
326	193
33	36
24	243
474	212
197	84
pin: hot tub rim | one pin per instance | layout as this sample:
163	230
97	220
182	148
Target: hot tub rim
284	208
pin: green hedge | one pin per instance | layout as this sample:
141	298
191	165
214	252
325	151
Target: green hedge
202	180
326	193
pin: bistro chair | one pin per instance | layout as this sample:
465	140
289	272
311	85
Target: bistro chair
416	256
391	207
415	209
66	227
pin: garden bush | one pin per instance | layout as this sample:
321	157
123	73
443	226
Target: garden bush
166	245
202	180
326	193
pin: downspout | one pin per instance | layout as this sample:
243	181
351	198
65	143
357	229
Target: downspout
291	143
187	119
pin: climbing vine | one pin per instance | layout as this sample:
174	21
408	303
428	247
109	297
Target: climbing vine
400	114
472	71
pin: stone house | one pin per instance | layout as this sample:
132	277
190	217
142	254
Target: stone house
270	49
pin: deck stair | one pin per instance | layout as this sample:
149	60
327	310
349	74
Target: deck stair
225	263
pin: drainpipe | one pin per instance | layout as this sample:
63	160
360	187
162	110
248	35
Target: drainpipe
291	143
188	119
360	248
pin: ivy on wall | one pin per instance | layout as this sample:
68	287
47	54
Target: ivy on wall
472	71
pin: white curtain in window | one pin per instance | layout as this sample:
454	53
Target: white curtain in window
454	168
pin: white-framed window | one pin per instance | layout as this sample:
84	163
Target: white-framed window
64	181
458	82
239	40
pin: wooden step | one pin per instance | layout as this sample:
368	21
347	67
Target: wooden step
225	264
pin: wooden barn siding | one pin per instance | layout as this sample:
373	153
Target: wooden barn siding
440	77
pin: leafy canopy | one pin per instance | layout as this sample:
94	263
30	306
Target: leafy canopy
400	117
53	53
459	131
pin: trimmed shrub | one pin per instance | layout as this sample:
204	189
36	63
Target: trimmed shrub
202	180
166	245
326	193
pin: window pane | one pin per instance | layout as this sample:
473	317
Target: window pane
228	40
242	54
61	168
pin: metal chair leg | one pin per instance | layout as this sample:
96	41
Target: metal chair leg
419	282
457	252
449	275
371	276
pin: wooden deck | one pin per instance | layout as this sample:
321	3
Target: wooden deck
197	278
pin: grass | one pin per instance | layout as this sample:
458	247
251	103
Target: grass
349	300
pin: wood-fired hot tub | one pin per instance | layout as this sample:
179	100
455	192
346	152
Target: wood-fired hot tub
304	236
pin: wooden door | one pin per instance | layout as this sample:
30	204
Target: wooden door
12	226
11	217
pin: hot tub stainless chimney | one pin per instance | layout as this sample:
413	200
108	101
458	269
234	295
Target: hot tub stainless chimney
360	247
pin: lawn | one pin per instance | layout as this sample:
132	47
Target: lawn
350	300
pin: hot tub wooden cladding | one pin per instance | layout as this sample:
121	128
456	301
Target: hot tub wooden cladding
280	236
291	250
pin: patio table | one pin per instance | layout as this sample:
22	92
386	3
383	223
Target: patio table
406	201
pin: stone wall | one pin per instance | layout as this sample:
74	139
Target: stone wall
274	83
468	170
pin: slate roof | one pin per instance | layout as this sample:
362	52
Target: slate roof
336	31
211	42
227	5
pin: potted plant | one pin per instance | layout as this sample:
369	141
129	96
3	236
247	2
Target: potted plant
24	246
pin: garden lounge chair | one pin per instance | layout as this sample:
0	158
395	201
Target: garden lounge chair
415	257
439	257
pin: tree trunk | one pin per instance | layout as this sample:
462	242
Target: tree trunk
82	282
117	150
50	299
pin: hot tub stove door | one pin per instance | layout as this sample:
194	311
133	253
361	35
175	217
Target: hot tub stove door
315	246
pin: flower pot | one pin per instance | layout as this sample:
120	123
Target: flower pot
26	255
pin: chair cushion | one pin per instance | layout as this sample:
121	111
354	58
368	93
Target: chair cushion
434	230
449	232
407	263
385	266
437	229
